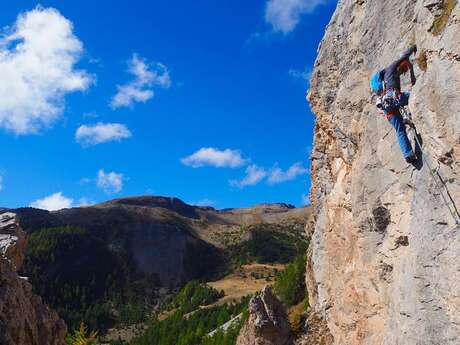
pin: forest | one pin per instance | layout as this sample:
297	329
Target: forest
88	283
191	321
78	276
268	243
193	318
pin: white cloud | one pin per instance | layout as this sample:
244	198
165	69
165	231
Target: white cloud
254	175
284	15
111	182
146	77
259	36
53	202
37	58
91	114
277	175
204	202
299	74
88	135
255	36
305	200
58	201
208	156
83	202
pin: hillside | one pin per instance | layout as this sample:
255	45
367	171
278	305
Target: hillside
178	231
112	263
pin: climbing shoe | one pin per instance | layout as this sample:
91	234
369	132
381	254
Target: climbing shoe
412	159
408	122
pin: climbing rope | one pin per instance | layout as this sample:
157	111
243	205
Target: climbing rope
436	177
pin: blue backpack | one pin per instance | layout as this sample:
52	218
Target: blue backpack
376	82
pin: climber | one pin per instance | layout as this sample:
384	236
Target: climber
386	84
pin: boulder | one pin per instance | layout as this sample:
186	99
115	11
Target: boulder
267	323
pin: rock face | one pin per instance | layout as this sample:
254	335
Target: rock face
316	332
12	240
24	318
384	257
267	323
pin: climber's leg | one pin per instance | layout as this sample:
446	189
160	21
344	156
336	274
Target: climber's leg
403	102
398	123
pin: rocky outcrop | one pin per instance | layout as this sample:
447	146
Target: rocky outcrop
384	255
24	318
12	240
267	323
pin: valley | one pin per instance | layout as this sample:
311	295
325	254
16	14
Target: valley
115	265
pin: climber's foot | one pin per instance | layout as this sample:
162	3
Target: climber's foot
408	122
412	159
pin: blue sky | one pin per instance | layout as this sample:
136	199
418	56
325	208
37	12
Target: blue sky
202	100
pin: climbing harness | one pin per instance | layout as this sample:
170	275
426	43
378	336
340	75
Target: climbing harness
390	102
437	178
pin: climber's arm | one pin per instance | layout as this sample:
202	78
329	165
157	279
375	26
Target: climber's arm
412	75
404	57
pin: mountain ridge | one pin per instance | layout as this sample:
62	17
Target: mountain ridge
151	244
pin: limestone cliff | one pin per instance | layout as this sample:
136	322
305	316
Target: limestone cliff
384	257
24	318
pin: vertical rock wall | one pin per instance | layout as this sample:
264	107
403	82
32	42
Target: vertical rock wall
384	263
24	318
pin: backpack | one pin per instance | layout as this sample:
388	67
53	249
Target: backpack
376	82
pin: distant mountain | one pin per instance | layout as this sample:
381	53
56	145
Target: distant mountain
121	249
161	233
172	227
